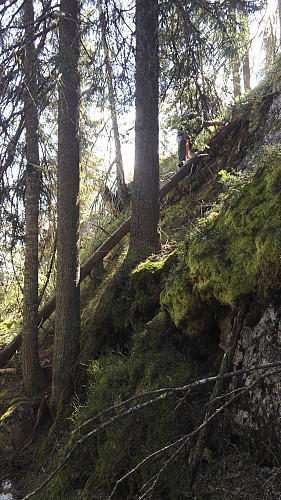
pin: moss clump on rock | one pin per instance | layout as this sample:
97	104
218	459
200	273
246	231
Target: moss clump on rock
238	252
186	309
125	445
148	279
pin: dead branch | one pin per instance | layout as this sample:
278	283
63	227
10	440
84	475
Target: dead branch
226	364
108	423
140	406
204	425
11	148
3	371
185	388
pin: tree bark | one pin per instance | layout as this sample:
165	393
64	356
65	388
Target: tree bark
67	322
144	237
235	59
32	374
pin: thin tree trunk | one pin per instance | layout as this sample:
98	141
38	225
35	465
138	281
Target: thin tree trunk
144	237
32	374
279	14
120	177
247	71
235	60
67	322
245	34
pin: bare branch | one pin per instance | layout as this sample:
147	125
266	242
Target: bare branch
184	388
206	422
108	423
138	407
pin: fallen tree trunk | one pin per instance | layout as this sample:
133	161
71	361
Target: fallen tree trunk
45	312
48	308
4	371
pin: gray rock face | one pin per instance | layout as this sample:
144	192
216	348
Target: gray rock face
15	426
261	407
273	130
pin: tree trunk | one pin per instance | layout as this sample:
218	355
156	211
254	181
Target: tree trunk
245	37
32	374
144	238
120	178
67	322
279	15
247	71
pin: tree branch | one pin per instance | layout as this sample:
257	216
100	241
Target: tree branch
140	406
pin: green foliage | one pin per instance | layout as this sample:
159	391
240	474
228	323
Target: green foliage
116	378
167	167
233	180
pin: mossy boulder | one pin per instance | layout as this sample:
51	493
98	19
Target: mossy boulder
237	253
148	278
187	311
16	425
150	363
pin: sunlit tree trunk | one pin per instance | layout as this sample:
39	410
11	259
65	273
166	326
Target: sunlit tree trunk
279	14
32	373
245	41
120	178
67	322
144	236
235	59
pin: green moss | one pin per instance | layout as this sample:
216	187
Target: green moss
237	253
123	446
7	406
150	363
184	306
153	266
148	277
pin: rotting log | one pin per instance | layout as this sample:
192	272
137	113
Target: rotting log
48	308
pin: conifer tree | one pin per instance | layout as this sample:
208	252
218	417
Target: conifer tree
67	322
120	177
144	235
32	374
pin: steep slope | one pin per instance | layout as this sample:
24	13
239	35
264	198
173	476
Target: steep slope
208	304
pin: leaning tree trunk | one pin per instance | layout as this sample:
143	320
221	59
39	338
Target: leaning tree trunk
67	322
144	237
32	373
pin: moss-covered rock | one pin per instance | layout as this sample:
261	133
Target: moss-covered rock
151	362
148	278
237	253
184	306
16	425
